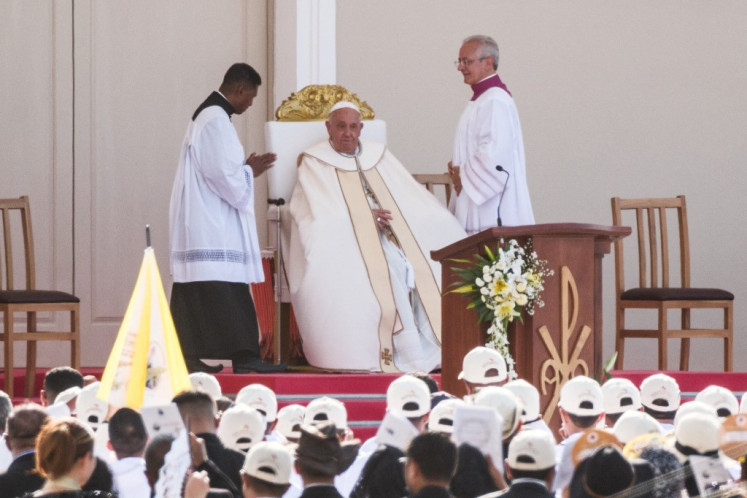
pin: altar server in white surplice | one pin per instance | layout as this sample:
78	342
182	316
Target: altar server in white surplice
488	135
365	292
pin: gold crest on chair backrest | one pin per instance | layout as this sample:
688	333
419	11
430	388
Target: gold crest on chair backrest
313	102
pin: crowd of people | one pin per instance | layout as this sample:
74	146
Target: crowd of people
615	439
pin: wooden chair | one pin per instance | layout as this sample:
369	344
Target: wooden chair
657	288
433	180
16	217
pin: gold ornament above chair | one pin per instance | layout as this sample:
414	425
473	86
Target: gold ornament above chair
313	102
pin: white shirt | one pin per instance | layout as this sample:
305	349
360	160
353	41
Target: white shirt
213	231
129	477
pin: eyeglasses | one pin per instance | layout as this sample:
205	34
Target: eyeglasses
467	62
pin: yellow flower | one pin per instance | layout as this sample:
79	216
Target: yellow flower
499	286
505	310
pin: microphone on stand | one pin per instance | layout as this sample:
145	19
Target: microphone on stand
500	169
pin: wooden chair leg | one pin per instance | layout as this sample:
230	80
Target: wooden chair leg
30	355
685	341
728	325
619	339
8	356
75	343
663	353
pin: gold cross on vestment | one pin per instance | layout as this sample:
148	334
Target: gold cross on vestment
386	355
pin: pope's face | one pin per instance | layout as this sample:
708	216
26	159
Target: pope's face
344	127
472	68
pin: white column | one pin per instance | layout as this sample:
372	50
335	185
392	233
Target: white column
304	46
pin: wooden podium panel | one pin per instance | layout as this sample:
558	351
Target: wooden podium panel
561	339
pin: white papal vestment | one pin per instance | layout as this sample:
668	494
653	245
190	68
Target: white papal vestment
349	281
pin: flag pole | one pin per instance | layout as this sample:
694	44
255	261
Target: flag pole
147	235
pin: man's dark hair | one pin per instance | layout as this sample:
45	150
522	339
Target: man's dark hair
154	455
614	417
429	381
59	379
660	415
195	404
5	408
435	455
583	421
127	433
264	488
540	475
24	424
241	74
382	475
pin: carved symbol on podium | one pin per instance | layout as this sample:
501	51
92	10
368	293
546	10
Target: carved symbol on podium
386	356
557	369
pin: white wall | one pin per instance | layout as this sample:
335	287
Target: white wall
632	99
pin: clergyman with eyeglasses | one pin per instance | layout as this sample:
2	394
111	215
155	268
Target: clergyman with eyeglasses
488	168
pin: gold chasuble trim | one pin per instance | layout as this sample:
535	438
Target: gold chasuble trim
425	282
373	257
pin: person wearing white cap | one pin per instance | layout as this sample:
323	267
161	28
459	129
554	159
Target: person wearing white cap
531	418
530	465
721	398
581	407
441	418
632	424
266	470
326	408
361	231
620	395
241	427
660	397
695	434
206	382
289	421
488	135
261	398
482	366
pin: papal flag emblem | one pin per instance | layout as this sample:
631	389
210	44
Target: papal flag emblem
145	366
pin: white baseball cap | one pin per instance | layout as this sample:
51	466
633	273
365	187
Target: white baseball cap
582	396
721	398
67	395
203	381
260	397
409	396
441	418
290	420
694	407
326	408
743	403
89	408
241	427
632	424
483	365
505	402
696	433
269	461
531	450
660	392
620	395
529	397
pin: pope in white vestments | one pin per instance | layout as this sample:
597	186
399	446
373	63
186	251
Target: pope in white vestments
488	135
365	292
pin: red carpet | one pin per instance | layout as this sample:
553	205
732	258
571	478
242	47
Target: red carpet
365	394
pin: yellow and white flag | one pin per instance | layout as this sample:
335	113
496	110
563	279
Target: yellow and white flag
146	366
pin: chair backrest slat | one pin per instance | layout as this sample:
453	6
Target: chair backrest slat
653	241
8	207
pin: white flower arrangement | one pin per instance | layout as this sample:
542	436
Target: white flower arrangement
502	285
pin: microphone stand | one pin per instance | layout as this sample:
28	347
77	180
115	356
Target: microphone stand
500	169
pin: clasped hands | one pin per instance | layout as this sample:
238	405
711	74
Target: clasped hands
456	180
261	162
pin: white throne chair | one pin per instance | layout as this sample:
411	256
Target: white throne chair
299	124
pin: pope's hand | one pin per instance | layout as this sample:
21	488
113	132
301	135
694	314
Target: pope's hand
382	217
261	162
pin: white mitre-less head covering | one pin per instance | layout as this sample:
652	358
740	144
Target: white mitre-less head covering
344	104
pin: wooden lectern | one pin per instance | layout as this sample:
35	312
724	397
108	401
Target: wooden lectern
561	339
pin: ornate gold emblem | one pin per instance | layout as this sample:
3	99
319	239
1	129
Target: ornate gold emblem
557	369
386	356
313	102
